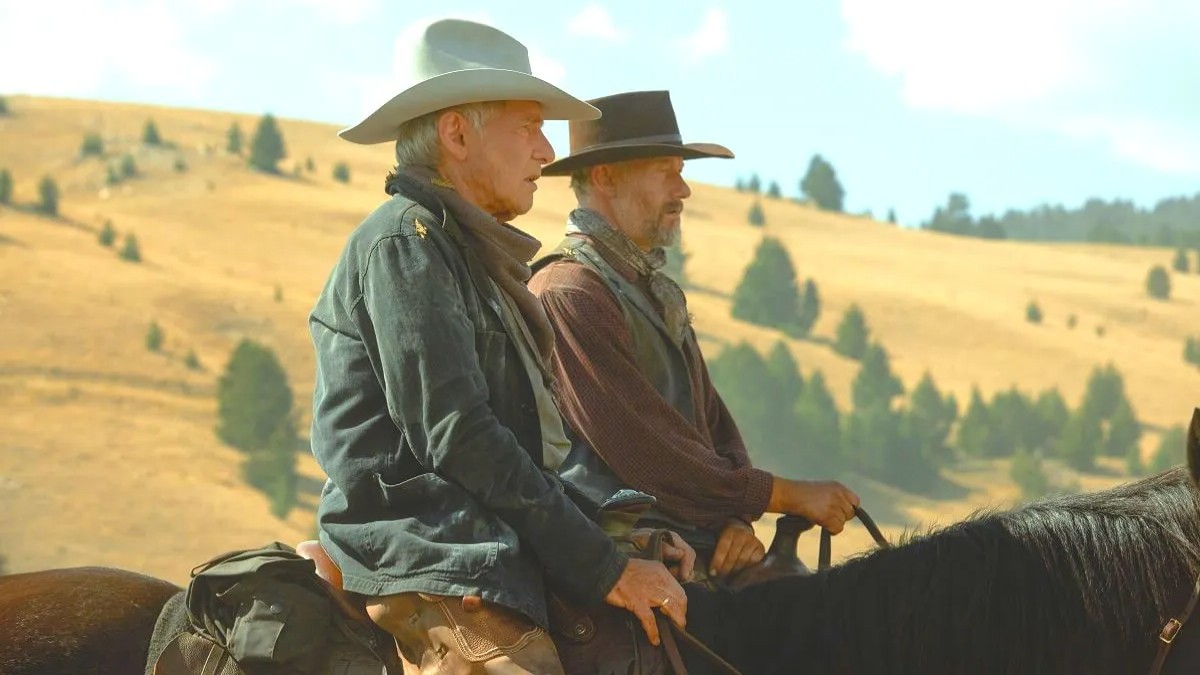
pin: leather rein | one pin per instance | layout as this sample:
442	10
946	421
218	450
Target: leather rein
668	630
1171	628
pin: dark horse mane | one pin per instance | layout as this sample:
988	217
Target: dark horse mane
1073	584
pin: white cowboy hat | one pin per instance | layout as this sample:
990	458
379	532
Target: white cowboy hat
456	62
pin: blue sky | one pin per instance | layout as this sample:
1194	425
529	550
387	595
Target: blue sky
1014	102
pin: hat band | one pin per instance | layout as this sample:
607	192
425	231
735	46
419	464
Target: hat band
641	140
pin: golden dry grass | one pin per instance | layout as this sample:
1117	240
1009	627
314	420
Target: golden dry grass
107	454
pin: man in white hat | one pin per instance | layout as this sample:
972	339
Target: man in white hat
431	411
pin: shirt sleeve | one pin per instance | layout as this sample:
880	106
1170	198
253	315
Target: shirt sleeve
437	394
616	410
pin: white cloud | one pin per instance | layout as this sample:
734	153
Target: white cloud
710	38
140	43
1111	70
595	21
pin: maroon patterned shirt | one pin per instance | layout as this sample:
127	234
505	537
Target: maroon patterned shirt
699	472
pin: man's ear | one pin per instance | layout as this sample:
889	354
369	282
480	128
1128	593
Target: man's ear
604	179
452	129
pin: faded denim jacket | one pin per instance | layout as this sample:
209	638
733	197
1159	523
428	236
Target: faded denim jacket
425	423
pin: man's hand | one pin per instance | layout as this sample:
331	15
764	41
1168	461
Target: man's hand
826	503
674	550
737	549
644	585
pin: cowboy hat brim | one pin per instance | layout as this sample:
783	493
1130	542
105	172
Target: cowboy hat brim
473	85
621	152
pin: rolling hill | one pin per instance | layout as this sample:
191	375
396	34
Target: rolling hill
107	450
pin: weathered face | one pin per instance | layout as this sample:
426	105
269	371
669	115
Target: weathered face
506	158
648	199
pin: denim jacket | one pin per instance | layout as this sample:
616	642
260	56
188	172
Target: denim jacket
425	423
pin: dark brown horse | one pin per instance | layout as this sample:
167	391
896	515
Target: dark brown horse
1079	584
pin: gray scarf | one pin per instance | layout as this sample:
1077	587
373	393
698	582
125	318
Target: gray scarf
670	298
504	250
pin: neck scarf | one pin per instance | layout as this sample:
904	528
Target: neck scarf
504	250
648	264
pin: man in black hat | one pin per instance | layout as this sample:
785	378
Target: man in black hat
630	375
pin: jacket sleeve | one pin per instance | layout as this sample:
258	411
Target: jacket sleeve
437	394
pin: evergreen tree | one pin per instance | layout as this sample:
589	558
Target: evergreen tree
272	468
192	361
739	185
756	217
131	252
891	216
768	294
3	112
128	166
1010	416
150	134
1033	313
1049	419
930	418
48	192
112	176
180	164
1180	264
1191	351
975	430
954	218
875	383
870	441
266	148
786	381
254	399
92	145
1134	466
1158	283
1105	391
852	333
233	139
309	165
1081	439
154	337
341	172
738	373
820	184
773	190
754	185
810	310
1027	473
6	187
1171	452
819	429
1124	431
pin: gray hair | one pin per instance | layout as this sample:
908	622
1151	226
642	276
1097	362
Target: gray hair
417	139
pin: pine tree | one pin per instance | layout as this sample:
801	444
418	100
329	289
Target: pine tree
773	190
818	429
1049	419
810	310
738	373
875	383
767	294
821	185
150	135
1180	264
1027	473
1191	351
272	468
1033	313
754	185
891	216
266	148
309	165
1158	283
254	399
341	172
1081	439
48	192
128	166
233	139
192	361
739	185
6	186
1171	451
154	337
756	217
92	145
1124	431
1105	391
3	112
930	418
974	432
852	333
131	252
786	381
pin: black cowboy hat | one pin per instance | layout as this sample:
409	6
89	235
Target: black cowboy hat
634	125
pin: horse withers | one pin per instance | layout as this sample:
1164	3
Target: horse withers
1075	584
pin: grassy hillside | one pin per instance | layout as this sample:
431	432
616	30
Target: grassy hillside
107	450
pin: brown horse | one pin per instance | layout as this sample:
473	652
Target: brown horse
1076	584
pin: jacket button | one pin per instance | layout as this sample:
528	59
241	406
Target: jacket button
276	608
